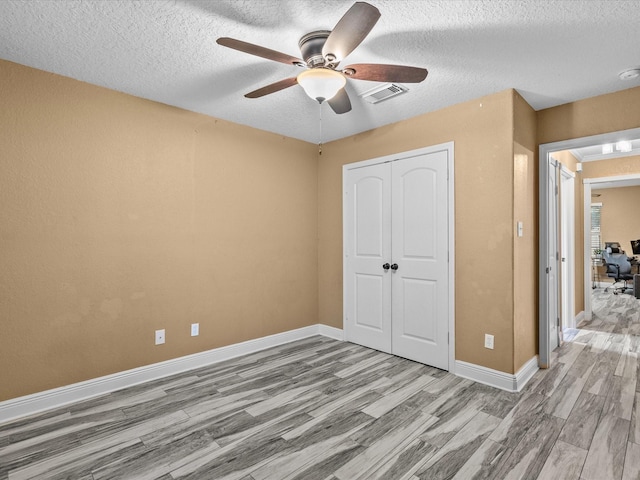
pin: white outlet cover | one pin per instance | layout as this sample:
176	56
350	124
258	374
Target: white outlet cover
488	341
160	337
195	329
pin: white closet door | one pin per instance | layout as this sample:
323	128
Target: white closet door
367	249
419	249
552	261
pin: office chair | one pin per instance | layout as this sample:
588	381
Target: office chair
618	268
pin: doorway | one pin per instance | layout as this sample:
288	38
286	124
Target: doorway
548	251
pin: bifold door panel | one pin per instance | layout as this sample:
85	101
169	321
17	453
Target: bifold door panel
368	288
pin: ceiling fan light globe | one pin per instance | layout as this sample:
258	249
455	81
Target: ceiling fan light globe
321	83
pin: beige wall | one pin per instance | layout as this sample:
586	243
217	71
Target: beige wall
592	116
120	216
483	134
525	248
620	215
611	168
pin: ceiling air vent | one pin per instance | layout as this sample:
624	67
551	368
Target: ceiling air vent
384	92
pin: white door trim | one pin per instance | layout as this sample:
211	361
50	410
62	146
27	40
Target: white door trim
587	282
544	151
449	147
567	242
553	260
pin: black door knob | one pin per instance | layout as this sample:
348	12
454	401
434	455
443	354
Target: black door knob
394	266
386	266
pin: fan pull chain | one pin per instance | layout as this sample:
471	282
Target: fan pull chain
320	142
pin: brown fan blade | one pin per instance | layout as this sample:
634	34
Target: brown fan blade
259	51
385	73
350	31
340	103
272	88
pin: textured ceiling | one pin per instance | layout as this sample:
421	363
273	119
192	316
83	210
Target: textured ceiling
552	52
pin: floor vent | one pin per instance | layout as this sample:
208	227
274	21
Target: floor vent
384	92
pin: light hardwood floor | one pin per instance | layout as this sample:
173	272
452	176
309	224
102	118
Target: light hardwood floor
322	409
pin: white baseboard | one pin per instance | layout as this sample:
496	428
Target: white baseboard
57	397
496	378
331	332
581	317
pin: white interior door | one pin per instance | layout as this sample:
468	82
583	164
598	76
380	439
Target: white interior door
552	260
419	256
367	252
567	241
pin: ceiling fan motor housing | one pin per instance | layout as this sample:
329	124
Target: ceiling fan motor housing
311	48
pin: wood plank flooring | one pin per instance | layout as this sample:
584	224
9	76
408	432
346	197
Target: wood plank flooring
322	409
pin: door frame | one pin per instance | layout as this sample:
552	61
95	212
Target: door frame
449	148
552	270
567	244
544	151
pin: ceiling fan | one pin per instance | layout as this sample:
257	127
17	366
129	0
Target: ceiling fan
322	51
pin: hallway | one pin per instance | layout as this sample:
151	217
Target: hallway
596	378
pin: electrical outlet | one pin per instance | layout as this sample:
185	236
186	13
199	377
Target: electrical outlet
488	341
195	329
159	337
